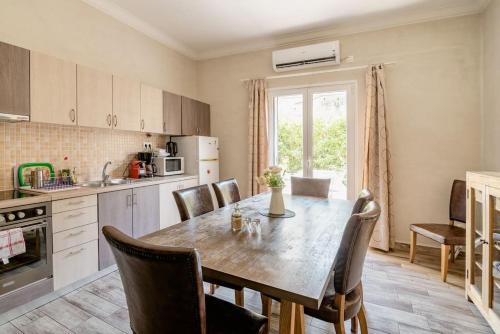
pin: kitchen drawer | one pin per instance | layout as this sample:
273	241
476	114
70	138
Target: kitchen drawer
67	220
75	236
187	184
74	203
75	263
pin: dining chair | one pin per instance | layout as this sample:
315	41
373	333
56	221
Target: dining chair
196	201
164	291
364	197
307	186
227	192
343	298
448	235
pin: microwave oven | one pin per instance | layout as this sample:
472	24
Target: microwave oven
169	165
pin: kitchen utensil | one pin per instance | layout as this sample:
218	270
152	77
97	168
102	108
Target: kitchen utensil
137	169
37	178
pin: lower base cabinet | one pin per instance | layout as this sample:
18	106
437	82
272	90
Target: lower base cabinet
134	212
75	263
169	214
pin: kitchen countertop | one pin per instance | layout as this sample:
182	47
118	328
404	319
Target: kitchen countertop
85	191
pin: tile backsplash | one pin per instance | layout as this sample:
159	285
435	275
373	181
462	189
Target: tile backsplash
87	149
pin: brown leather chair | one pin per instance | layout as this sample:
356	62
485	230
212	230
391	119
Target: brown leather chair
364	197
164	291
196	201
343	298
227	192
448	235
307	186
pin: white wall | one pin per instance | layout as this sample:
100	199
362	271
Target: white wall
433	116
491	86
72	30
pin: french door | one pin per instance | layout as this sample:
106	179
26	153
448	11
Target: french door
312	134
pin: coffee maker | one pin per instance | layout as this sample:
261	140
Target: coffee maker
147	157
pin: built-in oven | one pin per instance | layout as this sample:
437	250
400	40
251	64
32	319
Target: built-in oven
169	165
35	263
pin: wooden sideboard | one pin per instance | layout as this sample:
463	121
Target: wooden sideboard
482	282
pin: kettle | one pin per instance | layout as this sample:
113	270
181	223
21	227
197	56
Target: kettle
171	148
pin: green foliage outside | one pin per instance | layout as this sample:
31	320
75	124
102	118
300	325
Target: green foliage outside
329	148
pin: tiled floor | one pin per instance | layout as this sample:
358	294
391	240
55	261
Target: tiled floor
399	297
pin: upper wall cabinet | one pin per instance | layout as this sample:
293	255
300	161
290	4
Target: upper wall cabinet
195	117
14	81
53	90
172	114
95	97
126	104
151	109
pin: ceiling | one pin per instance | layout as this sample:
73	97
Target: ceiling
204	29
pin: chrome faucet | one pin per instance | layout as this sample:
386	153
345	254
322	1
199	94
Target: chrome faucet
105	177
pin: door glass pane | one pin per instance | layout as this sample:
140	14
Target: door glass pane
495	265
289	148
477	268
329	136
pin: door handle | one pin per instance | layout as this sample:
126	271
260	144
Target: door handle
134	199
72	115
108	119
115	121
129	200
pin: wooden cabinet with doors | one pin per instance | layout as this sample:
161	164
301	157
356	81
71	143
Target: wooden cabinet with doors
126	104
94	97
195	117
151	109
14	81
172	114
133	211
483	244
53	90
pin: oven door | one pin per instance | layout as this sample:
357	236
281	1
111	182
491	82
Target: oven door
33	265
174	166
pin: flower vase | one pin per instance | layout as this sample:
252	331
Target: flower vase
277	206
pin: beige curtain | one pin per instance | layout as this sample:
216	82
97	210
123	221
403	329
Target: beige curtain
257	134
376	173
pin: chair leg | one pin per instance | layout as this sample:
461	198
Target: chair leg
413	246
212	289
267	304
340	305
362	320
239	297
354	324
445	252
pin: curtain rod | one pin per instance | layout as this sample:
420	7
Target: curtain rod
342	69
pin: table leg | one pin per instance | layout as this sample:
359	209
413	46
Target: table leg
287	317
300	327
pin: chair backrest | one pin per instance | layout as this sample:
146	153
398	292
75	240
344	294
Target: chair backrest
458	200
163	285
351	255
193	202
307	186
227	192
364	197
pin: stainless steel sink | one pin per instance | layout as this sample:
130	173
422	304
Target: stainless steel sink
109	183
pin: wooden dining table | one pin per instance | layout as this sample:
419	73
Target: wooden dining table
290	259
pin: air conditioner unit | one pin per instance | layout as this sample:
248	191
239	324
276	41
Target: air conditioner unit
314	55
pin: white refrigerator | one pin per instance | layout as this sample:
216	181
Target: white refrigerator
201	157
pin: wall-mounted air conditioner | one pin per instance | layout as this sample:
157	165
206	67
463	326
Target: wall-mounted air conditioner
314	55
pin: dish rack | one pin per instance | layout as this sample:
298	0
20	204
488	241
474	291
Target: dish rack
57	183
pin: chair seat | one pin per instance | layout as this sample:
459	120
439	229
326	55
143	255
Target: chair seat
328	311
226	318
442	233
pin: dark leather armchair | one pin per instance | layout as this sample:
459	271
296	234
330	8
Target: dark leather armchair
196	201
227	192
164	291
308	186
364	197
343	299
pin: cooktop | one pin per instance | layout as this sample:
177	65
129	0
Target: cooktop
14	194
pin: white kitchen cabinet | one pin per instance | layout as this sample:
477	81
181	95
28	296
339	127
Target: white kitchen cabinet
126	104
52	90
151	109
75	263
94	97
169	214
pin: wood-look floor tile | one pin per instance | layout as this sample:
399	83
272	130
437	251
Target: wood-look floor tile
8	328
95	326
120	320
65	313
91	303
41	325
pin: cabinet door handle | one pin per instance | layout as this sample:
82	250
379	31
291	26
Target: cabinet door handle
72	115
115	121
74	234
75	252
142	124
74	215
129	200
108	119
134	199
76	203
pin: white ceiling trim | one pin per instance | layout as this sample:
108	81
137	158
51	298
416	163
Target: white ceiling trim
373	24
142	26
